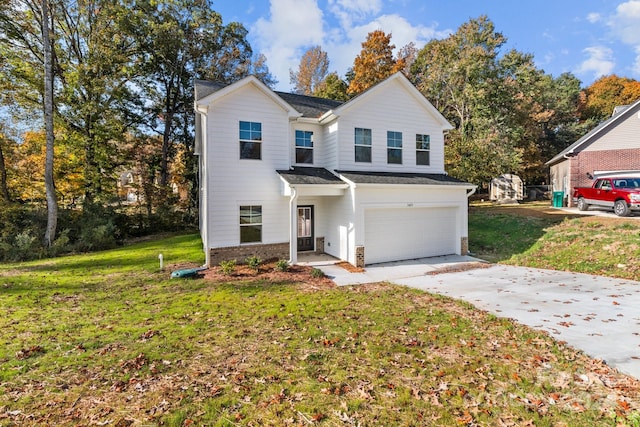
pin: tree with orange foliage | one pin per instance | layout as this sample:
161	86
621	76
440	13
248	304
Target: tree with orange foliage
374	63
311	71
606	93
25	168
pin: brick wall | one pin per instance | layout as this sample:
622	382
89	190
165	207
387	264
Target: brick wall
240	253
590	161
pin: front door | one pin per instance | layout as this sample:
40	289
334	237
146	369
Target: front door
305	228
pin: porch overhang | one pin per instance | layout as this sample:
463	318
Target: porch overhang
314	190
308	181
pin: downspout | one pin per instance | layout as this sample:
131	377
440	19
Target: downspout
293	230
472	192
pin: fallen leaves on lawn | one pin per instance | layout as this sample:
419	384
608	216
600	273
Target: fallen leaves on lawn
25	353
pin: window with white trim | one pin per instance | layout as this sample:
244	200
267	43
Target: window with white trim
422	149
250	224
363	145
304	146
250	140
394	147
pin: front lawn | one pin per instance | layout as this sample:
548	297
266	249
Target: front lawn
108	339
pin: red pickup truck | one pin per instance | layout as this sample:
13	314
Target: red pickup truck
620	193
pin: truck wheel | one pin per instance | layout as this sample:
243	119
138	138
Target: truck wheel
620	208
582	205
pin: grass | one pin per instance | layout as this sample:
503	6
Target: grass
108	339
535	235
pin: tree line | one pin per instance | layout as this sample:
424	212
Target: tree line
509	116
120	88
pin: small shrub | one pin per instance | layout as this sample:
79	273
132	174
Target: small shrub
254	262
316	273
282	265
228	267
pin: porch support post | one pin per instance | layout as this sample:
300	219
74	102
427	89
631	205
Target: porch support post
293	226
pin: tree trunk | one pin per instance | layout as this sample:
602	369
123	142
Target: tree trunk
52	203
4	190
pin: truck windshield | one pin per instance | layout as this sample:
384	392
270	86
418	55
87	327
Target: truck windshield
627	183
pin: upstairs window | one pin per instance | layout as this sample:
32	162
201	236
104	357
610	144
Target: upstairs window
394	147
363	145
250	224
304	146
250	140
422	149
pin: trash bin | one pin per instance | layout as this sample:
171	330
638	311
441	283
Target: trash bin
558	197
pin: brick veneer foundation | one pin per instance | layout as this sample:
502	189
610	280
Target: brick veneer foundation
360	256
464	246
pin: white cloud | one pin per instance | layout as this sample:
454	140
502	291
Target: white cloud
599	63
282	35
350	11
286	34
625	23
343	51
636	63
594	17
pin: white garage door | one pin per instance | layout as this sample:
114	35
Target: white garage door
408	233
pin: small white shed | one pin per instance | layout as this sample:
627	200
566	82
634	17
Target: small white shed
507	188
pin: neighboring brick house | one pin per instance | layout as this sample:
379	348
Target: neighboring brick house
363	180
612	147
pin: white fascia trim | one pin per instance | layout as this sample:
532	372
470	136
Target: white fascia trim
369	184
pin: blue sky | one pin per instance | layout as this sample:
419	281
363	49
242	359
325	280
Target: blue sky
589	38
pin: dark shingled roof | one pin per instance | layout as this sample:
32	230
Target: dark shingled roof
400	178
307	175
204	88
309	106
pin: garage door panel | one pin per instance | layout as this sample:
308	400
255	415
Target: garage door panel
408	233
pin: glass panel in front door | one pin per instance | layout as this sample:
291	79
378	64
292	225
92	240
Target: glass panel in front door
304	222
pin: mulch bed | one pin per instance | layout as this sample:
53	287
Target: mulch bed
266	272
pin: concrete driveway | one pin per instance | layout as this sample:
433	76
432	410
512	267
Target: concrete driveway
598	315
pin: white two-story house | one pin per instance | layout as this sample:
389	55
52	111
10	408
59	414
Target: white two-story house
363	180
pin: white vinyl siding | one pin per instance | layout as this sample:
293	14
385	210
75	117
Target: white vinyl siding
397	107
622	136
232	182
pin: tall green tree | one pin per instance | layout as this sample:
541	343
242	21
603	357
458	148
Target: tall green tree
460	76
312	70
94	70
184	40
332	87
